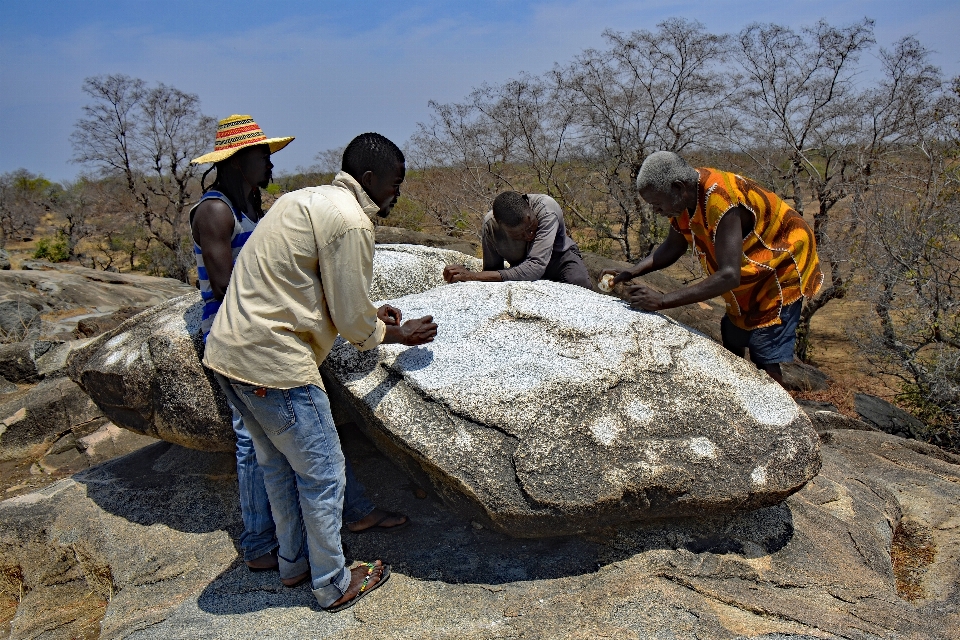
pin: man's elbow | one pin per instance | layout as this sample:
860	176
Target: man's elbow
730	278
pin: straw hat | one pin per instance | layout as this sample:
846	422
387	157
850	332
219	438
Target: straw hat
235	133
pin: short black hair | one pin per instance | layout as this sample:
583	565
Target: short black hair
511	208
370	152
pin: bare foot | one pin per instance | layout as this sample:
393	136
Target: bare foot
357	576
378	519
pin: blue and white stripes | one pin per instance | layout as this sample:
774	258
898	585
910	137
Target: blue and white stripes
242	228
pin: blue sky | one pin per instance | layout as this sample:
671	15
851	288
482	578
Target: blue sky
326	71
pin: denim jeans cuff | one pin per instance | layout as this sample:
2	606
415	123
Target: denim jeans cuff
260	550
355	515
330	593
293	569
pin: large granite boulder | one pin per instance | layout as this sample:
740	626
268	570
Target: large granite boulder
142	548
548	409
146	374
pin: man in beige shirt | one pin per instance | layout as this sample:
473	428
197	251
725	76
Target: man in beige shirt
302	279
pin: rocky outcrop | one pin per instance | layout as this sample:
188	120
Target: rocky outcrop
45	414
546	409
77	293
146	375
138	548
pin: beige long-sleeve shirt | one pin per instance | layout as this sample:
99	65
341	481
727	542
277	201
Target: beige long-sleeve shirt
302	278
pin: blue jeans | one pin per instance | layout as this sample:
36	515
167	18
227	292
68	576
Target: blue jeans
306	476
259	535
769	345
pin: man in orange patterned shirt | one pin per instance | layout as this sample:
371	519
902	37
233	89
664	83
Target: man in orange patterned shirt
757	252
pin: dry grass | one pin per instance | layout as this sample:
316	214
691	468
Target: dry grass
911	552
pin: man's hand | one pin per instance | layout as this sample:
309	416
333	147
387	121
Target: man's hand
643	297
456	273
390	316
412	332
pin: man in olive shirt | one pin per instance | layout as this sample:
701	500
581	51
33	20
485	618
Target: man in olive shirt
303	278
526	230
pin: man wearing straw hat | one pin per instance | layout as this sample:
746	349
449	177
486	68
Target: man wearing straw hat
302	280
221	224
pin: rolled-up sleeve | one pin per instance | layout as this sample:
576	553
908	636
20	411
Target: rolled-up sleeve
346	271
538	257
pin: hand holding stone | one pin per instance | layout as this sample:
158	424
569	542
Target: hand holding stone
391	316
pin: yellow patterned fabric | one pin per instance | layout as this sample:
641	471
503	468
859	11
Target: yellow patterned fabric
780	263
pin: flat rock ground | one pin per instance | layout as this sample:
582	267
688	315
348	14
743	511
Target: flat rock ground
144	548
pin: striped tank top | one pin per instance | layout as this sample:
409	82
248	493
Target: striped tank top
242	228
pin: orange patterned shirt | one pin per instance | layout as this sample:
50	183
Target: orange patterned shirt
779	265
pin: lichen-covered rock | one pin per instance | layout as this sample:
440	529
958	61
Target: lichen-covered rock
146	375
549	409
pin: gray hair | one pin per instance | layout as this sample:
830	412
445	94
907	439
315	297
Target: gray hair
661	169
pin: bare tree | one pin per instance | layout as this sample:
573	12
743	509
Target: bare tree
24	198
147	136
649	91
579	133
798	124
911	269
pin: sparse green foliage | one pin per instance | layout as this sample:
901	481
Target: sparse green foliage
52	250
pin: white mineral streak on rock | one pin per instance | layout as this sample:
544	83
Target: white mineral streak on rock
640	413
759	476
760	396
605	430
702	448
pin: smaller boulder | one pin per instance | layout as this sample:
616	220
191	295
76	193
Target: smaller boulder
811	406
887	417
46	414
4	260
800	376
6	386
92	327
18	321
830	420
17	362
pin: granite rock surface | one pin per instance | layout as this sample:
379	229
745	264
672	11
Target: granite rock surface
545	409
146	374
143	548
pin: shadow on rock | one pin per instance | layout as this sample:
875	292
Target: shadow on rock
186	490
440	545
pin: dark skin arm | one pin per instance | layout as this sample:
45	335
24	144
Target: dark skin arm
459	273
213	227
411	333
729	250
